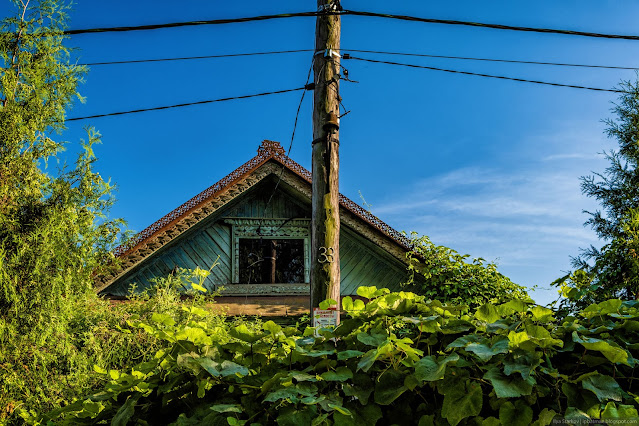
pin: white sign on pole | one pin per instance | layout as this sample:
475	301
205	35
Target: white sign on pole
325	318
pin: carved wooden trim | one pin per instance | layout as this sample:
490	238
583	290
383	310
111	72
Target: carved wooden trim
275	228
265	289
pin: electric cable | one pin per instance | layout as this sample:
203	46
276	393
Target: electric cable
187	104
491	26
511	61
421	55
484	75
189	23
186	58
353	13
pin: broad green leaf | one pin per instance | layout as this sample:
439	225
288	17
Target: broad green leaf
487	313
229	368
542	314
243	333
210	366
604	387
125	412
344	355
389	386
485	352
290	416
341	374
578	416
491	421
374	339
513	306
325	304
283	393
340	409
461	402
368	292
428	369
545	417
427	420
607	307
622	412
518	414
162	319
612	353
271	327
226	408
509	386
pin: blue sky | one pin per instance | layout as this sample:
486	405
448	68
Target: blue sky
487	167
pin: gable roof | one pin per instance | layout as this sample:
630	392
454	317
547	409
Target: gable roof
269	154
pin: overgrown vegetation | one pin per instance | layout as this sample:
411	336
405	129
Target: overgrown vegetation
441	273
54	233
398	359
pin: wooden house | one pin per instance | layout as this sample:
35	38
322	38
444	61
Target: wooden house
255	223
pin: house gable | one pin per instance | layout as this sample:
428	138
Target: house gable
199	231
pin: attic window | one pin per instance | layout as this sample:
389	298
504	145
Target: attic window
270	253
271	261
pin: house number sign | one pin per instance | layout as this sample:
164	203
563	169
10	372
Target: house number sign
326	255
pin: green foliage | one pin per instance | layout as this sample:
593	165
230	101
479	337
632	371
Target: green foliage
398	359
613	270
441	273
95	340
54	233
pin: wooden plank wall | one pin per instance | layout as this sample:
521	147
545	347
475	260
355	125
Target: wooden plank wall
362	262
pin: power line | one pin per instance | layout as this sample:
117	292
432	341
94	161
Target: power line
189	23
512	61
187	104
354	13
186	58
421	55
485	75
492	26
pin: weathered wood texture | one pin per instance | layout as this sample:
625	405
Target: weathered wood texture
325	240
362	262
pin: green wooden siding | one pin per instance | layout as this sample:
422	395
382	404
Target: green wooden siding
361	261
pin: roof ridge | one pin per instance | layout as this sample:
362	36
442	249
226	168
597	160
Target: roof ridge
266	151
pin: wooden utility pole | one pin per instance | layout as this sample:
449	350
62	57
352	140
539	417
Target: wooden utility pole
325	270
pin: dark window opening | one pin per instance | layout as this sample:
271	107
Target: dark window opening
271	261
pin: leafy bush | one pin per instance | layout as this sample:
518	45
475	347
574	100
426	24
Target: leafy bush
42	377
398	359
441	273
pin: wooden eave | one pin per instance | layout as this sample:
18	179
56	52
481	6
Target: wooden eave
234	184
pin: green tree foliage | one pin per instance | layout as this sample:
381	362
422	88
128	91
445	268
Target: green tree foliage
442	273
53	231
613	270
396	359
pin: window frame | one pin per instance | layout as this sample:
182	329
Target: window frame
268	228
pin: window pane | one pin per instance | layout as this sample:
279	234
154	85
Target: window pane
269	261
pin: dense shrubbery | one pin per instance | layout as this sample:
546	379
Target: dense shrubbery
398	359
42	377
441	273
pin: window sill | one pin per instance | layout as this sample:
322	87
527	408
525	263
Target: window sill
265	289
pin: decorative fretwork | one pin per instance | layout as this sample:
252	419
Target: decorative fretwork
265	289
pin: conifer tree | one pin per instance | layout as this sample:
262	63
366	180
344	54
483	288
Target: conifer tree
612	271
